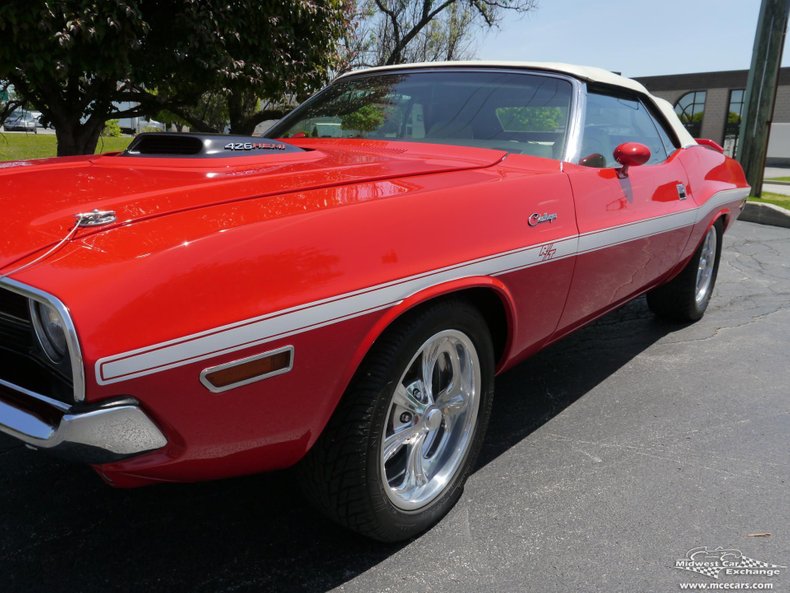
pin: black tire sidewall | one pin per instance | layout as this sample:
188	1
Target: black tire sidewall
394	523
676	300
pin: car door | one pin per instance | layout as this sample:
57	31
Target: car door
632	226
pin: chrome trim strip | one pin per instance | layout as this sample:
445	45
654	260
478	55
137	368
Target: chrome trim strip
42	398
576	118
288	322
100	435
23	426
221	367
75	354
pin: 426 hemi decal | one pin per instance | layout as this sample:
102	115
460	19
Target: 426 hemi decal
254	146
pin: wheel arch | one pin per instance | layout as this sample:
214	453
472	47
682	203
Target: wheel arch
726	216
488	295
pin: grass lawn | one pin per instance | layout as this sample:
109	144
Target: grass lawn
16	146
775	199
777	179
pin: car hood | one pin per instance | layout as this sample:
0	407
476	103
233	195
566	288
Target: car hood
39	199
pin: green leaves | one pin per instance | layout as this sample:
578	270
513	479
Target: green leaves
270	50
72	59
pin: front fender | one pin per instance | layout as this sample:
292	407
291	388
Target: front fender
455	287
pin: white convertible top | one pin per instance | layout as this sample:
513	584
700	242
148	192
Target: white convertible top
588	73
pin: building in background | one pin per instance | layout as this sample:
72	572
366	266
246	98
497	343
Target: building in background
140	123
710	104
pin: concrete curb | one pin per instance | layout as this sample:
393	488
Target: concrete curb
765	214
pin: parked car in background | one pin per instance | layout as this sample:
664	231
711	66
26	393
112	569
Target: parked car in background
340	296
22	121
38	116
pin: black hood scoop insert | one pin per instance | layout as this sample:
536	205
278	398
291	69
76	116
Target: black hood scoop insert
204	146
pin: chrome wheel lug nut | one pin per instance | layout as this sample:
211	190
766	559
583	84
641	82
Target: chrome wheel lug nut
415	392
405	417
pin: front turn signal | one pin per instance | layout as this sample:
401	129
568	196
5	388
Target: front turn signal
237	373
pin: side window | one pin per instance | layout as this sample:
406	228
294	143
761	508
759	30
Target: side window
669	144
612	120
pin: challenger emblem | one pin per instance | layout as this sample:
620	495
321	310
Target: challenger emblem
536	218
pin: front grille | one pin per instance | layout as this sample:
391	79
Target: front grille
22	361
14	330
14	305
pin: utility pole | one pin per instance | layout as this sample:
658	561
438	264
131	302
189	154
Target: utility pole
761	90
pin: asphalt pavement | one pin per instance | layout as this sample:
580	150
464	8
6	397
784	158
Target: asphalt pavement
610	455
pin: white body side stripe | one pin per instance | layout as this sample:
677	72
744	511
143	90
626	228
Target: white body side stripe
281	324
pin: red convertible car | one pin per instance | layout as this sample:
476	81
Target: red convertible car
339	295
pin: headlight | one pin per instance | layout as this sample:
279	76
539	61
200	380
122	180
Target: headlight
50	330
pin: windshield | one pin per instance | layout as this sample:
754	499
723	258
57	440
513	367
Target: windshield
519	113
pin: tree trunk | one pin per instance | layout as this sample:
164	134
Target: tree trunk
242	106
77	138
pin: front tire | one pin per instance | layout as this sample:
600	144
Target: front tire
395	455
685	298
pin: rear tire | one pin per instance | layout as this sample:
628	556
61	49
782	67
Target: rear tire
686	297
396	453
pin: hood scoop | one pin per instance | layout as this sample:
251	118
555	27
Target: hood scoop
204	146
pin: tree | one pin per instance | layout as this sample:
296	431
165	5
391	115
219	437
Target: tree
397	31
210	114
66	58
8	102
254	57
530	118
71	59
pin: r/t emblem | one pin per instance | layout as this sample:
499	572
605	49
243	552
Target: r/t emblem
547	252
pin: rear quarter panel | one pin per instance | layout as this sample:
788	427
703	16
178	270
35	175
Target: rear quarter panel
718	187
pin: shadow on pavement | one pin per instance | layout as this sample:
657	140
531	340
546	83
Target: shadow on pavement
531	394
62	529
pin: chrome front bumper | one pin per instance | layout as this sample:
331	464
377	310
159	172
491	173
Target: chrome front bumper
98	434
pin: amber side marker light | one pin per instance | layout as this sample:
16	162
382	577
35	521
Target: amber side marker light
248	370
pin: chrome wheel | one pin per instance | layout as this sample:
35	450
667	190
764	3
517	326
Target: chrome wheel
431	420
395	456
706	266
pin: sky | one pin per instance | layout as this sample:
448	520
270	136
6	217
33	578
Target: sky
636	38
